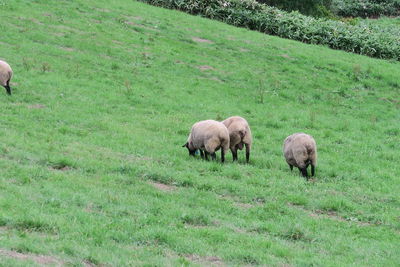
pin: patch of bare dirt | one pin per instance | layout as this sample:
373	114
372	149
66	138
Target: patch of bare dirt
36	21
105	56
334	216
131	23
206	260
215	79
237	203
236	229
39	259
163	187
201	40
88	263
68	29
133	17
205	67
103	10
69	49
329	214
244	205
286	56
61	168
58	34
36	106
192	30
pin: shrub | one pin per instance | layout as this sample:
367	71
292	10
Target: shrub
317	8
366	8
362	39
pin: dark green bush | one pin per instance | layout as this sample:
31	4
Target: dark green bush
316	8
361	39
366	8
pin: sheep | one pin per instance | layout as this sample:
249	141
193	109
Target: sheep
239	133
208	136
300	150
5	75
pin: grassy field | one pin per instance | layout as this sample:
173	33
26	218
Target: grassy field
385	21
92	168
386	24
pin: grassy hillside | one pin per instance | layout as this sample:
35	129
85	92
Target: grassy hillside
389	23
92	168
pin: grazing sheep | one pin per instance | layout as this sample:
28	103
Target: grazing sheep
239	133
5	75
208	136
300	150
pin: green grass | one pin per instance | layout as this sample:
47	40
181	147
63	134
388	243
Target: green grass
387	23
104	97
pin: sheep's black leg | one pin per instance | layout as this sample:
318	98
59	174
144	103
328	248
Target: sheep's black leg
213	156
8	88
247	153
222	155
304	172
206	155
234	153
201	154
312	170
291	167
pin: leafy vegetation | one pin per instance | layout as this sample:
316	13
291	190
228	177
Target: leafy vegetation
366	8
365	40
105	92
316	8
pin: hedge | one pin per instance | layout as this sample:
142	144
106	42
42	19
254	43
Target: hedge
315	8
367	40
366	8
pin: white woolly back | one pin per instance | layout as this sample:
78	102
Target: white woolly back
5	72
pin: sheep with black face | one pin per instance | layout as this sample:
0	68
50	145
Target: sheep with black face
239	134
208	136
300	150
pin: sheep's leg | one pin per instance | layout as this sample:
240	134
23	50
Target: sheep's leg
312	170
234	153
291	167
206	155
222	155
247	152
303	171
8	88
213	156
201	154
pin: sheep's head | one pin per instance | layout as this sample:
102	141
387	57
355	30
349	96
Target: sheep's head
191	150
